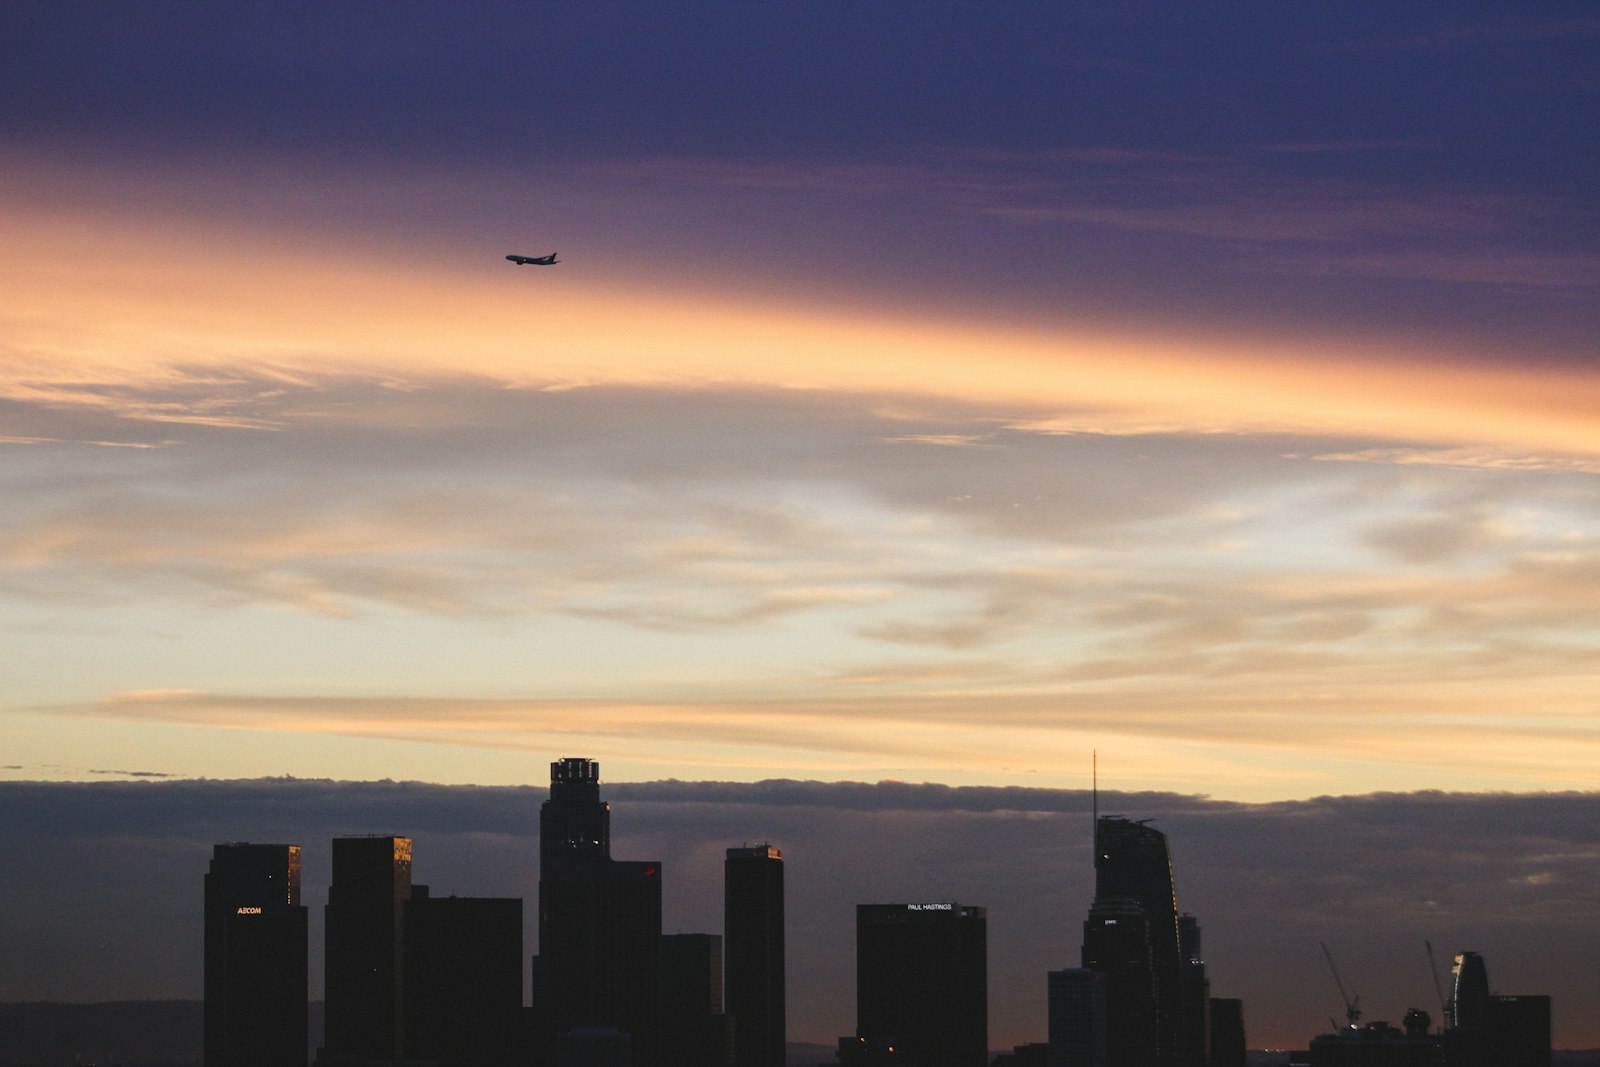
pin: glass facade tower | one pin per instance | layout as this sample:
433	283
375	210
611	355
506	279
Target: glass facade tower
752	903
599	920
255	957
922	983
362	965
1133	887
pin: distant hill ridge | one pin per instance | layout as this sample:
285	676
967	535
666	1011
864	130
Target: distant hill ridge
128	1033
167	1033
136	1033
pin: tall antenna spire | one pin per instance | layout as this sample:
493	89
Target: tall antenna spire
1094	777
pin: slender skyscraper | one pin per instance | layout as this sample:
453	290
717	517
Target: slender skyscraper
753	926
922	983
599	919
363	959
255	957
1470	1005
1131	863
1194	1033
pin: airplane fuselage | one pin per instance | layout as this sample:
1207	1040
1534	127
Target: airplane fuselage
536	261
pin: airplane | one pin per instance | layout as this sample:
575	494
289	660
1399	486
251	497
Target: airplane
537	261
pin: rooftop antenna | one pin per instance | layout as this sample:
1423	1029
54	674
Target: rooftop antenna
1094	827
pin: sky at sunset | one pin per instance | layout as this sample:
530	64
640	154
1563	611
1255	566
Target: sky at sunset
926	392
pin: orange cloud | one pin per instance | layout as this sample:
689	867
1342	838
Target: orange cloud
94	298
1178	737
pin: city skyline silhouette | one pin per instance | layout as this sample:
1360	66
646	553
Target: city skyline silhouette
1257	877
412	977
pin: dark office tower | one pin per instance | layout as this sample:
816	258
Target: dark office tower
752	902
1194	996
1131	862
255	958
599	919
922	983
1470	1003
1077	1018
599	949
1227	1033
362	959
695	1032
1116	942
574	823
1518	1031
463	979
691	973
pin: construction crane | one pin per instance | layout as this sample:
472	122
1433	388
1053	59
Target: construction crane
1352	1005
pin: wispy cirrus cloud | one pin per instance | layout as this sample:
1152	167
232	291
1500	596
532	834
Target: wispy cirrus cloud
1230	196
1465	458
1476	267
1252	215
126	774
1451	35
630	508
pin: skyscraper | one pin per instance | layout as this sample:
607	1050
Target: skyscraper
752	903
1227	1033
1076	999
693	963
1470	1002
1489	1030
463	979
362	962
922	983
1116	942
695	1031
1194	1031
1131	864
255	957
574	823
1518	1031
599	918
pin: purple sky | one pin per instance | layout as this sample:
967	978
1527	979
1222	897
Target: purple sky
1420	171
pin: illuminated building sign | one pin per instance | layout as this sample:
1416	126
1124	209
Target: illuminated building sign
930	907
249	911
